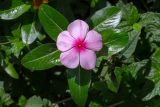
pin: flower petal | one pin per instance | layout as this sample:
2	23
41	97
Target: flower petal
78	29
70	58
64	41
87	59
93	40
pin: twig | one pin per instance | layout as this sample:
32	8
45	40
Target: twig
4	43
116	104
62	101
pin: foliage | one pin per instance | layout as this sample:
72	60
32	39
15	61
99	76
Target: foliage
127	71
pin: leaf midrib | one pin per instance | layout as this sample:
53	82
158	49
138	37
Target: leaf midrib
41	57
51	19
113	40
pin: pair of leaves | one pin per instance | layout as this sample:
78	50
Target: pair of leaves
44	56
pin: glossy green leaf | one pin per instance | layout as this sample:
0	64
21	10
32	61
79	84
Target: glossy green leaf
29	33
131	46
52	21
43	57
14	13
79	82
151	23
108	17
114	41
10	70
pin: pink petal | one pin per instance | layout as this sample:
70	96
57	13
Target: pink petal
70	58
88	59
78	29
64	41
93	40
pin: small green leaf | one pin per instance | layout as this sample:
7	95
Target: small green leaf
34	102
10	70
94	104
105	18
137	26
7	100
43	57
52	21
114	41
17	46
79	82
22	101
14	13
29	33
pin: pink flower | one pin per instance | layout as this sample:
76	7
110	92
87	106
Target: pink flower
78	45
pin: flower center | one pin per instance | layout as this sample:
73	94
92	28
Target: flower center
80	45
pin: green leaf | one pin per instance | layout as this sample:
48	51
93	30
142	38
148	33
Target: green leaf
151	23
14	13
52	21
17	46
154	76
114	83
10	70
34	102
105	18
2	91
29	33
43	57
79	82
22	101
131	46
114	41
130	13
131	71
6	99
94	104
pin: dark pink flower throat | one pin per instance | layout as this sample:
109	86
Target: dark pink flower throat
80	45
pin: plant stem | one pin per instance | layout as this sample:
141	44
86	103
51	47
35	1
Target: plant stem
64	100
116	104
4	43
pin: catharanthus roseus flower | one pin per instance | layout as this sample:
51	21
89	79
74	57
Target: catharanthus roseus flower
78	45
